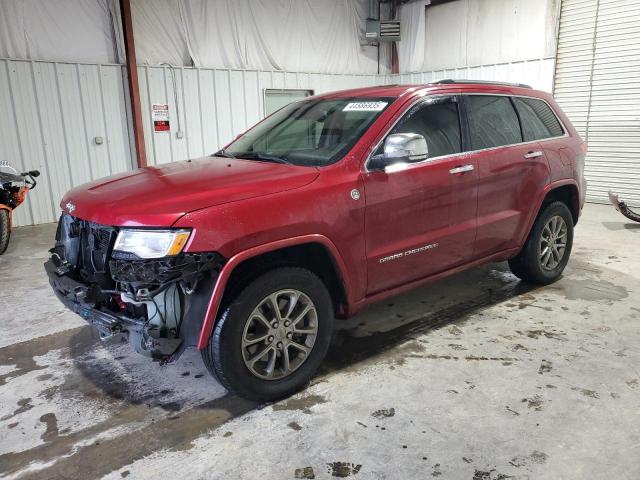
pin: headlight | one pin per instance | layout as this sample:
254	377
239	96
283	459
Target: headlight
151	243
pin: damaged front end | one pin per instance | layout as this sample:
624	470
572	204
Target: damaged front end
623	208
157	303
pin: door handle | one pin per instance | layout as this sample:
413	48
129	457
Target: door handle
464	168
535	154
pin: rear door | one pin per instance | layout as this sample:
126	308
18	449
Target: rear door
511	172
421	217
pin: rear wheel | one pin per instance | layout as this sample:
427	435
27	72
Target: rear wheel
546	251
5	230
271	339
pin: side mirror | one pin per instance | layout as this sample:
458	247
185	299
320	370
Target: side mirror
400	148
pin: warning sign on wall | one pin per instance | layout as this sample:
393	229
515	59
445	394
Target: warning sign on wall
160	117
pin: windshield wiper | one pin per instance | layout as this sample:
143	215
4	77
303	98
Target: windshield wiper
222	153
265	157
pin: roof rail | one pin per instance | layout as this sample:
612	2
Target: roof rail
481	82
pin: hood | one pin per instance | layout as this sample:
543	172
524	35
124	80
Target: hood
158	196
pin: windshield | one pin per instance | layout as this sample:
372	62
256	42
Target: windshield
309	132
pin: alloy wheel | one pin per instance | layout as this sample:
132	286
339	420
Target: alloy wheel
279	334
553	243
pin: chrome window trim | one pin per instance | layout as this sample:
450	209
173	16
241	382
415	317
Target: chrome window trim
422	98
468	152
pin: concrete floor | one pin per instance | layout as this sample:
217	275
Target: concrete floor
476	377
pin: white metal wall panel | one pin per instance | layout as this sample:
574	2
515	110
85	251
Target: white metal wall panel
598	86
54	111
217	104
51	114
538	73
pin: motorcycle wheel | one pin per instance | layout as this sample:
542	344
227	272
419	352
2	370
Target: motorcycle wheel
5	230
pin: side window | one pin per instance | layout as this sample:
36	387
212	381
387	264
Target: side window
538	121
438	123
494	122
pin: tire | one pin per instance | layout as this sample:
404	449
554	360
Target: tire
5	230
529	264
230	352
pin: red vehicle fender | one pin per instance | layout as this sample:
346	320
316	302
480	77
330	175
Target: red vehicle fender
238	258
540	200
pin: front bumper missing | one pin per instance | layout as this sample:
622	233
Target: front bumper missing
82	299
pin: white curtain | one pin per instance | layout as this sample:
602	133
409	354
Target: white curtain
412	17
323	36
59	30
294	35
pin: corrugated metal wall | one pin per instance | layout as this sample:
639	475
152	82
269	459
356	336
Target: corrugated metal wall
538	73
597	83
216	105
54	111
51	114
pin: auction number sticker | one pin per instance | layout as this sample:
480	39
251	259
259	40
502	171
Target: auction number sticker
364	106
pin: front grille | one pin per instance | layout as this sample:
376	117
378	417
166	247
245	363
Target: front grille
85	248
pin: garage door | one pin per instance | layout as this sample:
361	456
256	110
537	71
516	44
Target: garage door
597	83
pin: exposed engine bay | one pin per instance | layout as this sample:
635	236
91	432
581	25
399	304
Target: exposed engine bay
623	208
158	304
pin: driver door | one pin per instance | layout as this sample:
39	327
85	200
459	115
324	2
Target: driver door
420	218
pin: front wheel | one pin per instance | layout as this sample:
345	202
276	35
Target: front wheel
272	338
547	249
5	230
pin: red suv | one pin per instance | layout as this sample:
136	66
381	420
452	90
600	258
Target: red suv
328	205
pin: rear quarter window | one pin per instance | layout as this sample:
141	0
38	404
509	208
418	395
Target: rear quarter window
537	119
493	122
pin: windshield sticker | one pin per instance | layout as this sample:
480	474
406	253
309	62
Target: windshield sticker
364	106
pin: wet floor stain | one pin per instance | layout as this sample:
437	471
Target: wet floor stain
592	290
492	474
294	426
22	355
51	422
547	333
24	404
302	403
545	367
343	469
512	411
100	458
305	472
433	356
384	413
536	402
586	392
454	330
524	460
